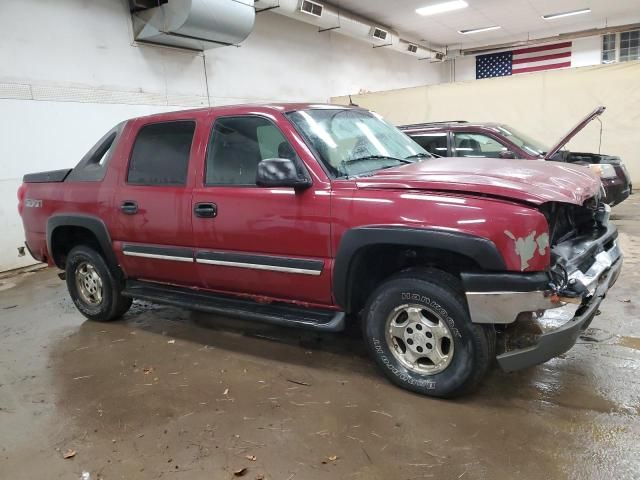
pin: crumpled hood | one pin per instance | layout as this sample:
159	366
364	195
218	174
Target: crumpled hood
532	181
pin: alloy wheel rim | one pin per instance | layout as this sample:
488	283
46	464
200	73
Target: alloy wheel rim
89	284
419	339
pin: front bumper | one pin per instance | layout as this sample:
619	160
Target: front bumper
532	294
558	341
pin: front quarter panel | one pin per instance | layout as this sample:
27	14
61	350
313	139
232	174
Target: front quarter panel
519	232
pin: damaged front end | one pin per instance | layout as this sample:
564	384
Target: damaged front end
540	315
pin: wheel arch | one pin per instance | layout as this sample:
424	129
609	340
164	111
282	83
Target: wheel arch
362	244
63	229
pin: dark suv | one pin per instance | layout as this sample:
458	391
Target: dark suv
463	139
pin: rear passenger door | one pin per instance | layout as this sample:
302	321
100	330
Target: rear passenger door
151	211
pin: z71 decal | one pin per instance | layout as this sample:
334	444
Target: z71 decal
32	203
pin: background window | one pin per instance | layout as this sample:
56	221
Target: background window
621	47
435	143
609	48
161	154
630	46
476	145
238	144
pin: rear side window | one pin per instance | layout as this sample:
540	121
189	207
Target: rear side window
433	142
160	154
476	145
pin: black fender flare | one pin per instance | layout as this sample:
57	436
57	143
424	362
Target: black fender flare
483	251
93	224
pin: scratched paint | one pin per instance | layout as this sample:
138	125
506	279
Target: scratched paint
526	247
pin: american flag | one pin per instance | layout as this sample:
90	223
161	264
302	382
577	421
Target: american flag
523	60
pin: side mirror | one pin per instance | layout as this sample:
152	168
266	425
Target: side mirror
280	172
507	154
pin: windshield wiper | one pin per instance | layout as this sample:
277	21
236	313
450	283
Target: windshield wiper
419	155
374	157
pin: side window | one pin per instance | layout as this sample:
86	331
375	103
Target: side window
238	144
160	154
434	142
93	166
476	145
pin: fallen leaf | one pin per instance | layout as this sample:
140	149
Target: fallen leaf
299	382
241	473
253	458
69	454
171	341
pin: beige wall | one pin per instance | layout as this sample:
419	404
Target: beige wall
543	105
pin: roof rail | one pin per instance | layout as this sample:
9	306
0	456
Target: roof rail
429	124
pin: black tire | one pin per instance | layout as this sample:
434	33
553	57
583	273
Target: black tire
442	293
112	304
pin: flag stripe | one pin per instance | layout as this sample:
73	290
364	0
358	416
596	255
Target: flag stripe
541	58
538	64
540	54
542	48
537	68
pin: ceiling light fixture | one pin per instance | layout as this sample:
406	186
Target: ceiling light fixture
478	30
553	16
442	7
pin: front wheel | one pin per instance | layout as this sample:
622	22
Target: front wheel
92	286
418	330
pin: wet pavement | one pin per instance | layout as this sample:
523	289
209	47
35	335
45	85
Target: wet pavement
167	393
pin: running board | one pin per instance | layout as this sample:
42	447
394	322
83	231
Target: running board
274	313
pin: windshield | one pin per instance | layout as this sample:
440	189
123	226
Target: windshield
355	142
528	144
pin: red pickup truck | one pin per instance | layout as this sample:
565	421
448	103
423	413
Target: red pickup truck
316	215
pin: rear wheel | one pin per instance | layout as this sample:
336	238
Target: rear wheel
418	329
92	286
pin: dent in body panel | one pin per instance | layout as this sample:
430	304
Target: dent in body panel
526	247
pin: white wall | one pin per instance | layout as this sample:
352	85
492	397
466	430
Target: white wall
69	70
585	52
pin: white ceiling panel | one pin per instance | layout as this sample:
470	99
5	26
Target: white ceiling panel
519	19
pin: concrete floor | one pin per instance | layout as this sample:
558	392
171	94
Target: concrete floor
171	394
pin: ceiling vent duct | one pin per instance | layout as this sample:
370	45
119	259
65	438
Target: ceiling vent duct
331	18
312	8
193	24
379	34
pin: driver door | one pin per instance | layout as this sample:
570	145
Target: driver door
271	242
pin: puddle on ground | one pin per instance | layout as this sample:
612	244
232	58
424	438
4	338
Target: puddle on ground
630	342
6	285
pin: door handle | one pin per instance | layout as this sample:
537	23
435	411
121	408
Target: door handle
205	210
129	207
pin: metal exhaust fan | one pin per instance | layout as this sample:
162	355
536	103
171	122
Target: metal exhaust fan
192	24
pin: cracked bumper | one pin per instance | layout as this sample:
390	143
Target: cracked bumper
561	339
502	305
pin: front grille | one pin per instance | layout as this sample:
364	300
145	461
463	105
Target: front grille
570	221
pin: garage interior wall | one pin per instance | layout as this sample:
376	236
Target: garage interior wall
545	106
69	71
